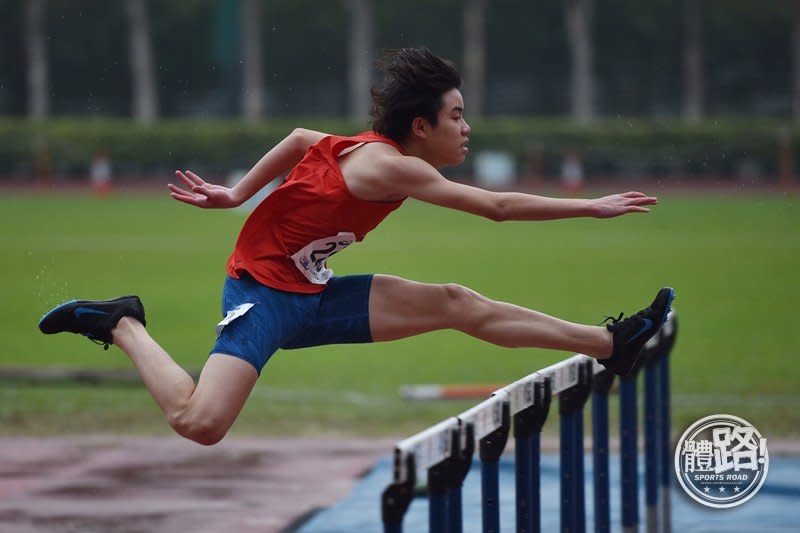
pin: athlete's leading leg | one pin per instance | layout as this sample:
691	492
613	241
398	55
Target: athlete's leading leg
202	412
401	308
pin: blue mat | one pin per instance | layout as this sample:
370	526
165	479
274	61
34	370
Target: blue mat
775	508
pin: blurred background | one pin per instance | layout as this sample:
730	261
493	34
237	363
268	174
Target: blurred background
696	101
571	89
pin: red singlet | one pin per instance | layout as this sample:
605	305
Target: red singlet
286	240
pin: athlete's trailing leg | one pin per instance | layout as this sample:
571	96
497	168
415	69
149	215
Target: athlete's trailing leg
202	412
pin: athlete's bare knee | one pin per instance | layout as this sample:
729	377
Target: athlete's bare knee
202	428
463	304
459	294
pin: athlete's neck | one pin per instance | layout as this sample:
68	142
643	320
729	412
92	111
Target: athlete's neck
415	148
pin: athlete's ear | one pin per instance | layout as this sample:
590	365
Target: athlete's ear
420	128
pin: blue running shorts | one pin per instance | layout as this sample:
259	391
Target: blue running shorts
258	319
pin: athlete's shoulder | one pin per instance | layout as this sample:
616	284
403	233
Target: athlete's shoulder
381	150
387	160
381	158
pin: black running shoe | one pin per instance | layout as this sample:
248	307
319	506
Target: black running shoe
93	319
631	334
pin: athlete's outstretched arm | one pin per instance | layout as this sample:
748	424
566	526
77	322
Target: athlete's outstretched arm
282	157
411	176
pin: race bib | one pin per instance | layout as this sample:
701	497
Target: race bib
311	259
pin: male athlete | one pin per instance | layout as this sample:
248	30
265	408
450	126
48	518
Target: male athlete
280	292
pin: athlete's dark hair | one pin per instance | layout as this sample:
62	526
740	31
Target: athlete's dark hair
414	80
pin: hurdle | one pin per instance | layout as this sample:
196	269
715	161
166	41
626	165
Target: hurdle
444	452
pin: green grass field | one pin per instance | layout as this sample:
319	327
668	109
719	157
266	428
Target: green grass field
735	262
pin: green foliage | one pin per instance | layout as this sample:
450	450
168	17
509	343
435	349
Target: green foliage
608	147
732	260
136	150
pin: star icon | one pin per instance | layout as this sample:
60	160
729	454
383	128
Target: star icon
735	489
722	489
707	489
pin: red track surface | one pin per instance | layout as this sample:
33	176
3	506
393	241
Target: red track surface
141	484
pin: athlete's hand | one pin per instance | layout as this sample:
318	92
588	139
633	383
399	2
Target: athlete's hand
620	204
201	193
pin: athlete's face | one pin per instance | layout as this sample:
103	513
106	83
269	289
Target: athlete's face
446	142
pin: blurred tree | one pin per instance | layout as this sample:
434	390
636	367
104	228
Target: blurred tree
748	59
475	55
145	100
578	15
88	56
189	76
693	61
226	51
436	24
252	72
638	58
796	57
527	58
307	45
38	80
360	57
13	58
634	55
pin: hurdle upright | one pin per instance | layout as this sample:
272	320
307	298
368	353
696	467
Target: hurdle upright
444	453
